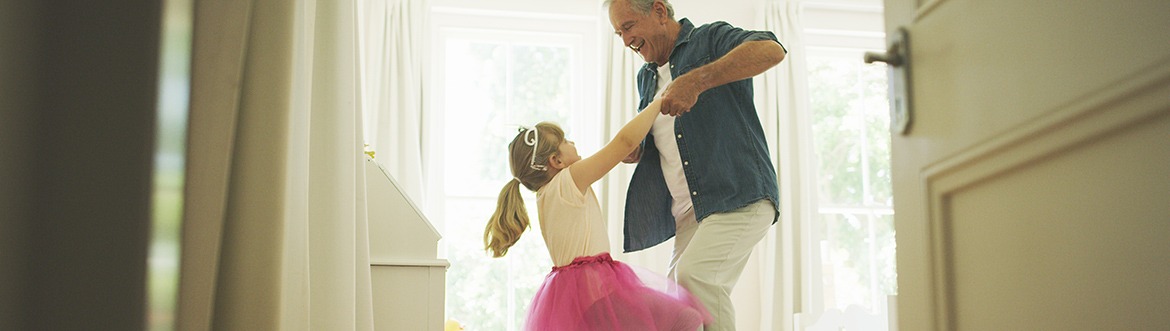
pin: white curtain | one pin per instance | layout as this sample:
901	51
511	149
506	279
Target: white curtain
391	56
274	227
785	113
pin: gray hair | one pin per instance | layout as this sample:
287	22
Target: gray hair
645	6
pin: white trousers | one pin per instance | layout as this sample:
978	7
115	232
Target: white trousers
710	256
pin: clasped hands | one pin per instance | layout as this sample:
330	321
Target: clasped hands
680	95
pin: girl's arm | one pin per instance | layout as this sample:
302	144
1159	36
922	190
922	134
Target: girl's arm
634	156
592	168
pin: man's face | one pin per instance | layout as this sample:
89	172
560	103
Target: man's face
645	34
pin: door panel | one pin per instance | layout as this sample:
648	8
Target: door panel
985	66
1033	188
1075	240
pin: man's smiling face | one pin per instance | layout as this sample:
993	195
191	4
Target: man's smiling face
646	34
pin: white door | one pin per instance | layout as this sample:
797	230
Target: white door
1033	186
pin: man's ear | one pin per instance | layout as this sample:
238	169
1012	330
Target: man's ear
556	162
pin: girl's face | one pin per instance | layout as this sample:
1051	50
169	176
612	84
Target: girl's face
567	152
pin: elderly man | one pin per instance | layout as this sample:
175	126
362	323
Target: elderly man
704	174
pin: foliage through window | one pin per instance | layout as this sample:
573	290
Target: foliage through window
855	230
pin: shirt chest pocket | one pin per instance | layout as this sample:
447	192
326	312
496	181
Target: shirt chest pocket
691	65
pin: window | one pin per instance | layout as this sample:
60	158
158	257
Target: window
850	128
167	209
494	72
851	249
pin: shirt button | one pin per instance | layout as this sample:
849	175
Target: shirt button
686	163
694	193
679	136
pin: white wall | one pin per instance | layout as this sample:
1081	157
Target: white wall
575	7
737	12
741	13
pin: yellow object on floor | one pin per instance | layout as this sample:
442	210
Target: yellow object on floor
452	325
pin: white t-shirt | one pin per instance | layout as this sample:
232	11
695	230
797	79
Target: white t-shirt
570	220
668	155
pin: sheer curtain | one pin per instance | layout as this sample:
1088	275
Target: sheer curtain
785	113
274	228
391	58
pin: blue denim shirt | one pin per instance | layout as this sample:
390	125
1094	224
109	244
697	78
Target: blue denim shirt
721	142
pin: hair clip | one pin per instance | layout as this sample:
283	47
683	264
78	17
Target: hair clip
532	138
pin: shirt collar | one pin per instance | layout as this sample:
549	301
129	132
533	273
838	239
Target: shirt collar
684	33
684	36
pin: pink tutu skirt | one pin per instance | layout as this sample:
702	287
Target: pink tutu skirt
598	293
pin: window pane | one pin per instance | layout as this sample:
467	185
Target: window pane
491	89
837	127
169	178
540	84
875	100
478	286
851	130
857	259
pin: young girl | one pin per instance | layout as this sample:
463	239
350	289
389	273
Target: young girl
586	290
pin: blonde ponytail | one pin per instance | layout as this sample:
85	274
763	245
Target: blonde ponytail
508	222
529	163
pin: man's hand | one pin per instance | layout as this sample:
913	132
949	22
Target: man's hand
744	61
681	95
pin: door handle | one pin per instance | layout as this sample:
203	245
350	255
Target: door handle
897	58
892	57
